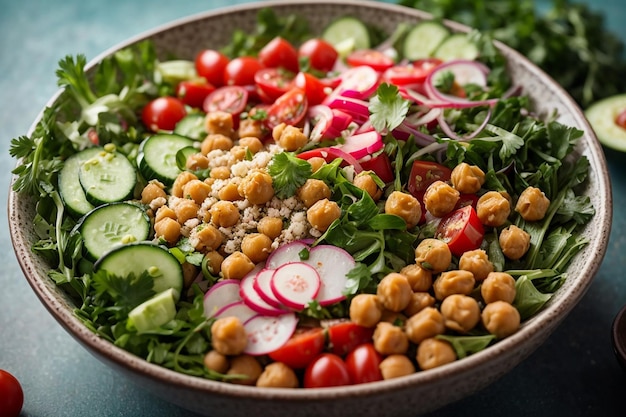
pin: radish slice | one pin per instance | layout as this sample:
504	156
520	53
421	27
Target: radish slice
341	119
237	309
357	108
362	144
360	81
219	295
332	264
262	285
266	334
295	284
322	117
253	299
285	254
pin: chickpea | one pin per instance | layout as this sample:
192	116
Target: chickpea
316	163
250	128
289	137
236	266
278	375
229	192
239	152
196	190
500	319
228	336
366	310
389	339
394	292
514	242
190	272
253	144
256	246
432	353
467	178
453	282
209	237
429	322
168	229
224	214
219	122
405	206
440	198
215	142
216	361
270	226
312	191
460	312
180	181
197	161
366	183
257	187
532	204
214	261
498	286
395	366
247	366
419	278
185	210
153	190
419	301
163	212
493	209
322	214
476	262
393	317
220	173
433	255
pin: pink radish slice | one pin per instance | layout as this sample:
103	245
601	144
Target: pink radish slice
295	284
323	117
266	334
361	80
237	309
263	287
362	144
285	254
355	107
253	299
219	295
341	119
332	264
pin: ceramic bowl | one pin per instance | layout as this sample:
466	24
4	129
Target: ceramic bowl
418	393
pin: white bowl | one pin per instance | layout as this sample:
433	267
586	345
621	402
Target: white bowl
418	393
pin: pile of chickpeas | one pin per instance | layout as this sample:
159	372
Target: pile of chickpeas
410	308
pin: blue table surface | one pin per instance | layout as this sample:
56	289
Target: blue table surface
573	374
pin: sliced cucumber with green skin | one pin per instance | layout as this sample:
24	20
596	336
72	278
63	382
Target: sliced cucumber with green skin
154	312
137	258
176	70
602	115
111	225
457	46
191	126
71	191
107	177
345	31
424	39
157	156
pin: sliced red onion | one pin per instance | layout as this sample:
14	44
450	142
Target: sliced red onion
363	144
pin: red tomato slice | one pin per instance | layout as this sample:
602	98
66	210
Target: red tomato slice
301	349
424	173
363	364
321	54
193	93
345	336
381	165
289	108
273	83
370	57
241	70
461	230
210	64
327	370
163	113
413	73
279	53
313	87
231	99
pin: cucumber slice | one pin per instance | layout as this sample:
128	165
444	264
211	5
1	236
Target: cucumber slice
157	156
191	126
176	70
602	115
153	313
422	41
107	177
347	29
136	258
457	46
71	192
111	225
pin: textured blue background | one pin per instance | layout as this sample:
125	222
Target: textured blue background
573	374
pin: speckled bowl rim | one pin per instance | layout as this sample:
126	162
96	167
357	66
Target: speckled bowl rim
550	316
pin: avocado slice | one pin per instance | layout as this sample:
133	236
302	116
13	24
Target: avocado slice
602	115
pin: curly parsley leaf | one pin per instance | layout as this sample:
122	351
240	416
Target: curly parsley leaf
126	292
288	173
388	109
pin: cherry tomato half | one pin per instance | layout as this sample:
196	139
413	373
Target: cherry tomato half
241	70
231	99
620	120
424	173
363	364
413	73
11	395
370	57
289	108
321	54
193	93
313	87
273	83
210	64
327	370
381	165
301	349
461	230
279	53
163	113
345	336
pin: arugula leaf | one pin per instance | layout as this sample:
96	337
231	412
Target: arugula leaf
528	300
466	345
288	173
388	109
